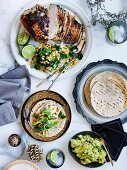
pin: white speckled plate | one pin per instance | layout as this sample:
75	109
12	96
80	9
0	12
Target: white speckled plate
21	164
72	8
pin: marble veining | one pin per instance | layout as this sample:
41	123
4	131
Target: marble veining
100	50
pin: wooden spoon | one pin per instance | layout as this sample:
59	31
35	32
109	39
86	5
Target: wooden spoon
103	143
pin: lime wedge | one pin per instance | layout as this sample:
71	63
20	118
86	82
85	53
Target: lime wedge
111	34
54	156
28	51
23	38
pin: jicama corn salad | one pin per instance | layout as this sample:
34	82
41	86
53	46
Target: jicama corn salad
48	57
52	57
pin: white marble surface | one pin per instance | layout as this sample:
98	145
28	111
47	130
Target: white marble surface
100	50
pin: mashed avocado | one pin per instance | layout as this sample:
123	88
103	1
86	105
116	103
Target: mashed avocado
88	149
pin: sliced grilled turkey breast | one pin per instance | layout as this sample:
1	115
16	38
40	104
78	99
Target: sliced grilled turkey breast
62	14
68	28
82	40
74	31
36	22
66	25
52	23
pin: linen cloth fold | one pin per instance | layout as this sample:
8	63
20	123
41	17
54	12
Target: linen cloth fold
13	85
114	136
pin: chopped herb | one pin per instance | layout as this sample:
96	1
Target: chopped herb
74	49
37	129
54	63
43	128
63	56
37	66
40	53
47	127
80	56
45	120
61	115
46	111
72	54
53	124
45	51
51	117
58	48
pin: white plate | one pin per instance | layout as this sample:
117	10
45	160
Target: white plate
21	164
16	27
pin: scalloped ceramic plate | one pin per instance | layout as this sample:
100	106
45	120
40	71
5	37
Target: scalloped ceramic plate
72	8
21	164
93	68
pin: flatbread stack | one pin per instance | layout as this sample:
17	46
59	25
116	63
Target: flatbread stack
106	92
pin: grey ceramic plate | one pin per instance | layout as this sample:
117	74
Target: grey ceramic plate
81	104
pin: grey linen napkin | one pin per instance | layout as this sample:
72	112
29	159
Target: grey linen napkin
13	85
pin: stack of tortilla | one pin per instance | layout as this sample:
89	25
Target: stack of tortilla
106	92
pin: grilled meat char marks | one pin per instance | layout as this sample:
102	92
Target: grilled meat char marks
53	23
74	32
66	25
36	22
62	14
39	28
82	40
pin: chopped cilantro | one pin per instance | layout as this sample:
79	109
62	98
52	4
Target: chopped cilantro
72	54
61	115
37	66
58	48
63	56
80	56
54	63
46	111
74	49
45	51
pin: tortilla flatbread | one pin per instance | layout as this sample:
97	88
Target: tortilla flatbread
108	98
108	75
87	91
